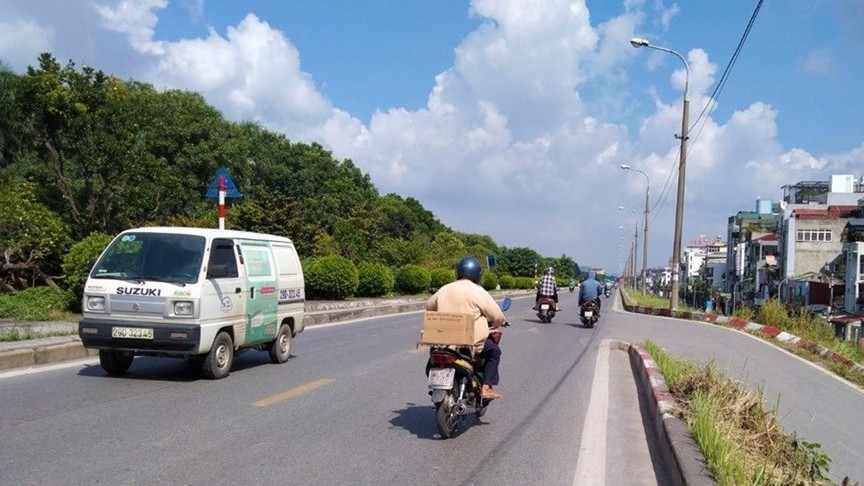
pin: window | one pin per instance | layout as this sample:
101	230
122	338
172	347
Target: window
223	263
814	235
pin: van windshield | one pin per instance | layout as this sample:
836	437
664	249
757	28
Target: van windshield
164	257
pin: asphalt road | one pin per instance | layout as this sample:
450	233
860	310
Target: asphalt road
351	408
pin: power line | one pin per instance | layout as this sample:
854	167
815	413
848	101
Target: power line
725	76
712	100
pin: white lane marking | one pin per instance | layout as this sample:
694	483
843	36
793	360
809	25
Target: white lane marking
591	465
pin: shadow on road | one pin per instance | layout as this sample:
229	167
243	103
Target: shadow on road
420	421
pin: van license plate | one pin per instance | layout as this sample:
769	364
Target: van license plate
132	333
441	377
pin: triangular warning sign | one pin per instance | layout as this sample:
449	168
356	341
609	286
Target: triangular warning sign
230	188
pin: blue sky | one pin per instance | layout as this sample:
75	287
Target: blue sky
506	117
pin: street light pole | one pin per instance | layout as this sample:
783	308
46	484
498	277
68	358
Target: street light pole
635	245
644	227
682	169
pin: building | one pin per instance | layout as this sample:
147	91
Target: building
815	215
744	263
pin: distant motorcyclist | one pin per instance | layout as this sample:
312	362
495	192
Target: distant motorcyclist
465	295
590	289
547	287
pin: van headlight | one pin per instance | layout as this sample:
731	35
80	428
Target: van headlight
95	303
183	308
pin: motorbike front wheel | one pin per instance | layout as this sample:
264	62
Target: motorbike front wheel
446	417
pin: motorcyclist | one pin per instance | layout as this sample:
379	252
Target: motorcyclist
465	295
547	287
590	289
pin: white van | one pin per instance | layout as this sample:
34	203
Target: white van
197	293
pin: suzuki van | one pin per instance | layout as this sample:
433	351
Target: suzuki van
197	293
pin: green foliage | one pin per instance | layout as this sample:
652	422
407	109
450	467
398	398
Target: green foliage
32	238
76	263
524	283
441	277
413	279
104	154
36	304
742	441
519	262
442	250
331	277
375	280
507	282
489	281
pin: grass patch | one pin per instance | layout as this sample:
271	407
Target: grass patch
800	324
742	441
23	335
36	304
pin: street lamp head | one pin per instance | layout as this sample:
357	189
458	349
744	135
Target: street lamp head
638	42
625	166
622	208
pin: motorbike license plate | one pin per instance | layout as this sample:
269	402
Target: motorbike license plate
439	377
589	314
132	333
544	306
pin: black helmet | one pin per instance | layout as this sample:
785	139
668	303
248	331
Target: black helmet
469	267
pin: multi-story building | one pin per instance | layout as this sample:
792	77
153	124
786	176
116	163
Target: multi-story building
744	263
814	217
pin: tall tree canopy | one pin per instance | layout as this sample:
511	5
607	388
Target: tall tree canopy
84	151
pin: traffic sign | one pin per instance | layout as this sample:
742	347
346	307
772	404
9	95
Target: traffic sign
230	188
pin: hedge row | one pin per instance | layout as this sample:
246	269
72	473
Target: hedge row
333	277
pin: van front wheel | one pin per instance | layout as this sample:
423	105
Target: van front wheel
115	362
280	348
218	362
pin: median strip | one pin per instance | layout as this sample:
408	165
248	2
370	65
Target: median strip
293	392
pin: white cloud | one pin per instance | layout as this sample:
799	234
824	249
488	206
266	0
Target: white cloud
667	14
506	144
136	19
21	41
819	61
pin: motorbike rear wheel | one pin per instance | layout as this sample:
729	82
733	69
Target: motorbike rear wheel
446	417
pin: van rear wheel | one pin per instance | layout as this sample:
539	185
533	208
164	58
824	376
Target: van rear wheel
218	362
115	362
280	348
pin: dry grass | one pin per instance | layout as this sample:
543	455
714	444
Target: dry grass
742	441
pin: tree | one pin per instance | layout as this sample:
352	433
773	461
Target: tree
33	239
519	262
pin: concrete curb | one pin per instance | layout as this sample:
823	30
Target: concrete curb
685	461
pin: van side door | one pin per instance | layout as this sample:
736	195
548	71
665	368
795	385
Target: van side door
223	299
260	290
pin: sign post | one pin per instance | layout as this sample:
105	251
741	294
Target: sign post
221	188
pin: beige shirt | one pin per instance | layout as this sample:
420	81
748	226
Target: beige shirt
464	296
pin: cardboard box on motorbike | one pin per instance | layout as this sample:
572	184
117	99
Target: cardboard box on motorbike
452	328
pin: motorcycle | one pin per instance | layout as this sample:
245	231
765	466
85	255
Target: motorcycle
456	380
545	309
607	292
572	288
588	313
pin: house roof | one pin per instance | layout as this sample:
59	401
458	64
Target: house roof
810	213
770	237
824	212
